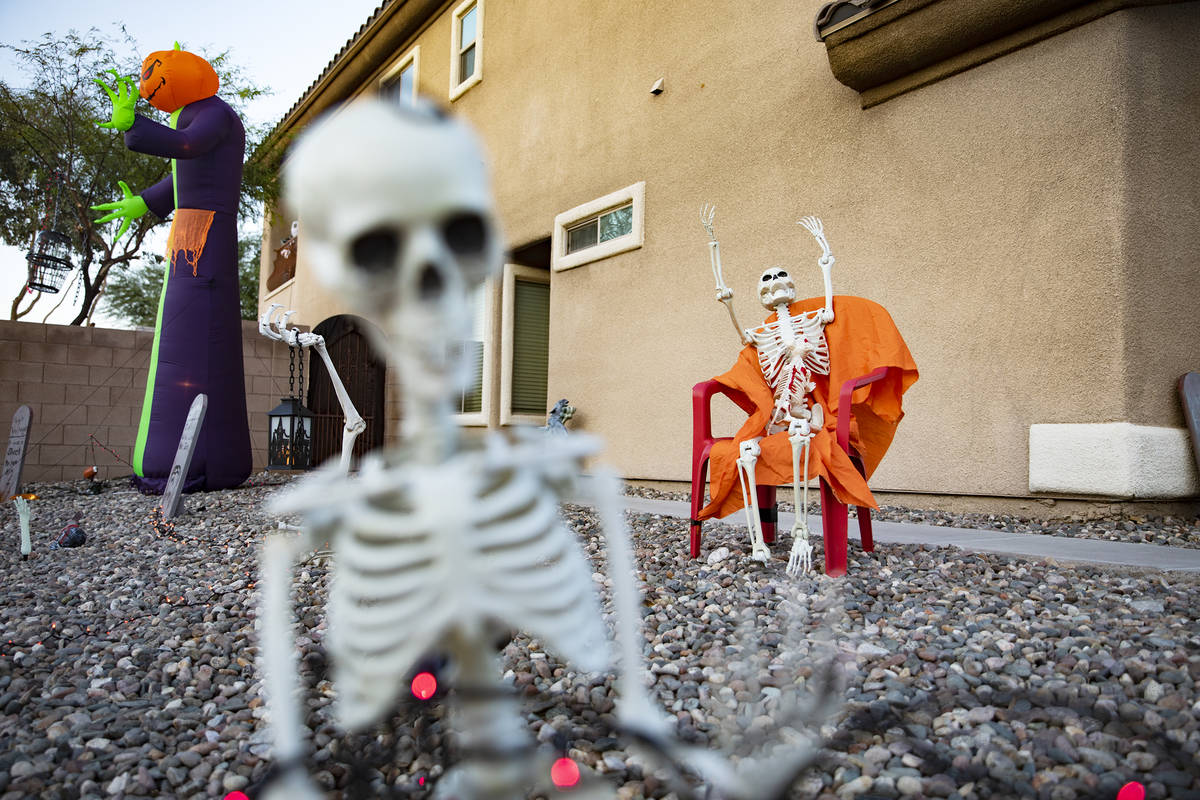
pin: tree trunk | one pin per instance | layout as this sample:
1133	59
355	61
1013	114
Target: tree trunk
16	314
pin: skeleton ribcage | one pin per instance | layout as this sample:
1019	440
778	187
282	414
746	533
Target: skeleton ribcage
773	341
463	545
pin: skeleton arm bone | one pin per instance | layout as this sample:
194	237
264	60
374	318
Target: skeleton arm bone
279	555
636	711
724	293
355	424
769	778
814	226
278	330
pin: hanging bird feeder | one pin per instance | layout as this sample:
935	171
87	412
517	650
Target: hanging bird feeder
49	261
50	257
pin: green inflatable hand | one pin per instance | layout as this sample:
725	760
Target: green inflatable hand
123	99
131	206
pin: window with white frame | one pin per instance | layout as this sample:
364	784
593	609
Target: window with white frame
604	227
525	345
466	47
473	405
400	81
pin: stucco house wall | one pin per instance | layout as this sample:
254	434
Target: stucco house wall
1029	223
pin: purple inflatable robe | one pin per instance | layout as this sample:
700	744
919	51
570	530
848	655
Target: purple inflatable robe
198	333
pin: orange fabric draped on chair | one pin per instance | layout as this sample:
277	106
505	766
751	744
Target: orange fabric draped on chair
862	338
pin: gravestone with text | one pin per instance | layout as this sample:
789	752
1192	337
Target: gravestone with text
14	456
173	494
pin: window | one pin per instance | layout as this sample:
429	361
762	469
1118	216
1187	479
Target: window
466	47
600	228
474	404
604	227
525	345
400	81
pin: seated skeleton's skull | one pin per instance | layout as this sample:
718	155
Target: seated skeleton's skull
775	287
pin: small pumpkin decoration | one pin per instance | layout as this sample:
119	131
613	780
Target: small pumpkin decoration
173	78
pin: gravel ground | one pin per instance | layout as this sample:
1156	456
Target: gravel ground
127	666
1166	530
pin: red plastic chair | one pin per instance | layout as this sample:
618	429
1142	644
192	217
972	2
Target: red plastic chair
834	515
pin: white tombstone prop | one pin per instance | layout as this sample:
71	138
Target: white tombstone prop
273	324
791	349
445	542
172	499
24	515
14	456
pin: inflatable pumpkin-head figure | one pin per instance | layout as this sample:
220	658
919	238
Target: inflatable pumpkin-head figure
173	78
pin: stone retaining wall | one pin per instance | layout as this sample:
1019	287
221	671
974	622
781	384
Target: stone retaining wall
84	382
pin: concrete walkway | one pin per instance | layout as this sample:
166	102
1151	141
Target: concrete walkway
1032	545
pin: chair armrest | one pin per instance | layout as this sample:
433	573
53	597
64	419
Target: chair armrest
702	394
847	391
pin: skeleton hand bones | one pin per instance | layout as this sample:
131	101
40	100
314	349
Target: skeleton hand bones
275	326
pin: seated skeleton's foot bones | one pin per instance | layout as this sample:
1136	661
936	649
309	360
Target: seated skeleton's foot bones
791	349
446	541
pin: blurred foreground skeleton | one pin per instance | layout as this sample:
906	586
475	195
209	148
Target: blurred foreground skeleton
447	542
790	350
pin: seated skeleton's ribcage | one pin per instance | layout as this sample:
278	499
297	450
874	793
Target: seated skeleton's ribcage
774	342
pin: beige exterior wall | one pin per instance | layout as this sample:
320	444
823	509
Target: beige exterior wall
1029	223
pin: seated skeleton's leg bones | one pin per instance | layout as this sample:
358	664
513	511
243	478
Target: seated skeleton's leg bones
439	545
790	350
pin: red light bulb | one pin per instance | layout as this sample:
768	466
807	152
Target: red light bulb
564	773
236	795
1132	791
424	685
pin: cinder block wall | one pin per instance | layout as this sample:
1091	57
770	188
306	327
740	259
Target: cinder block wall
84	382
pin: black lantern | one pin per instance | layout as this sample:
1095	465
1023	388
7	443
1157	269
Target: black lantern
49	261
289	444
289	441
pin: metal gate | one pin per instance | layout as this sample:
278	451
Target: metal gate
362	373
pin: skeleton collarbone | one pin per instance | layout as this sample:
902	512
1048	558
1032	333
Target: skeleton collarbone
485	520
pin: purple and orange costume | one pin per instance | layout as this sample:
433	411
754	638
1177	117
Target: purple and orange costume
198	333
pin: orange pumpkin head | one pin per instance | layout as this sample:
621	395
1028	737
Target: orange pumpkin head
173	78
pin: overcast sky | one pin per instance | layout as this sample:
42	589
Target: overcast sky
283	44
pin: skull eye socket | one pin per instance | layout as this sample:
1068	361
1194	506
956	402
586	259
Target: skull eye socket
376	250
465	234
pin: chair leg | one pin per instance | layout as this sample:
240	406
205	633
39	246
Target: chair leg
864	513
834	522
699	473
768	512
864	529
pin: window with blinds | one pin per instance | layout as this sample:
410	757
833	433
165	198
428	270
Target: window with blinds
531	346
471	401
524	345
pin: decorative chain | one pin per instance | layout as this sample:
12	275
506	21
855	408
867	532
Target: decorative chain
291	371
301	380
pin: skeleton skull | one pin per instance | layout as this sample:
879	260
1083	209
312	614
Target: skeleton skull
775	287
414	238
